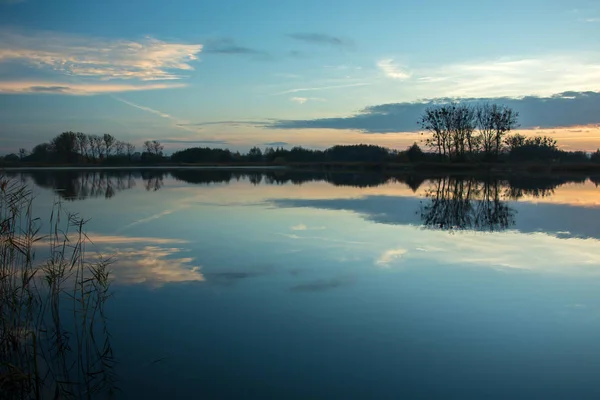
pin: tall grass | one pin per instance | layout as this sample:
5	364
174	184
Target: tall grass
54	341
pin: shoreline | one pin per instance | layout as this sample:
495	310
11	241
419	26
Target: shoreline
473	168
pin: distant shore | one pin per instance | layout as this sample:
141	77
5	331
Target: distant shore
429	167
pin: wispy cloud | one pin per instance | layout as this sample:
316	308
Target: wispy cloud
302	227
193	141
228	123
309	89
277	144
321	39
228	46
542	76
79	89
177	123
392	70
302	100
148	109
147	59
592	20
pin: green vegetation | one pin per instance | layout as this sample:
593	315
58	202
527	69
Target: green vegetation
471	136
54	341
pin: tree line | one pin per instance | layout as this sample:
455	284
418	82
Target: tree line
80	148
458	132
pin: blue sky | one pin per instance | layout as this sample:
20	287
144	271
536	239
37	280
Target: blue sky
252	73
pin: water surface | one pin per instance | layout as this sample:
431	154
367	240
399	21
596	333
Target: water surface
299	285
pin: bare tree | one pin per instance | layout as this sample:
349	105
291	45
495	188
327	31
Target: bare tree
82	144
433	121
153	147
119	148
22	153
452	126
130	149
494	122
96	146
109	143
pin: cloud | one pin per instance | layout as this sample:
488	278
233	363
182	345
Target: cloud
592	20
390	256
12	1
321	39
302	227
228	46
146	60
79	89
192	141
302	100
148	109
543	75
299	100
559	110
177	123
321	88
391	70
228	123
277	144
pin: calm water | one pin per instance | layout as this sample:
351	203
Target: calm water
243	285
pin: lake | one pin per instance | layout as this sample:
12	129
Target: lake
305	285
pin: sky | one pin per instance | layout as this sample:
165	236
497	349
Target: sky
311	73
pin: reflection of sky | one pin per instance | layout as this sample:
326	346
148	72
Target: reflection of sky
317	289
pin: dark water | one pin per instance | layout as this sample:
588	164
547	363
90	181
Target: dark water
244	285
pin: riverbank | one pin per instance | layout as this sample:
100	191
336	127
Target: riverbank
429	167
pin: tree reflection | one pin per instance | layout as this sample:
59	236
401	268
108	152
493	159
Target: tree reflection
459	203
82	184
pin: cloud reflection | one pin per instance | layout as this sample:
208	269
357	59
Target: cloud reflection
153	265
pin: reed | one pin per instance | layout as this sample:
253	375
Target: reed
54	339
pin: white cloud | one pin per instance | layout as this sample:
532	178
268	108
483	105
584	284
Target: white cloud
391	70
79	89
299	100
302	227
542	76
302	100
592	20
390	256
146	60
322	88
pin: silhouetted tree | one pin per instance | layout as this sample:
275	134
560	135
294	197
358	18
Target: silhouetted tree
129	149
255	154
65	147
494	122
109	143
119	148
82	144
153	147
414	153
96	146
595	157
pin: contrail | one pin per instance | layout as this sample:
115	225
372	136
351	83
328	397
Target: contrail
177	122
